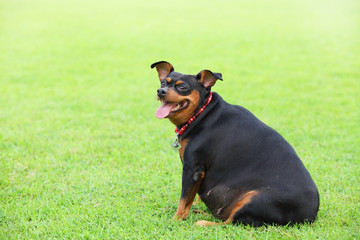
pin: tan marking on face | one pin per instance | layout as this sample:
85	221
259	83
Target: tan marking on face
183	144
184	115
171	95
186	201
179	82
168	79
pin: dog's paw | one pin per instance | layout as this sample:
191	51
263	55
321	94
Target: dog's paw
204	223
180	216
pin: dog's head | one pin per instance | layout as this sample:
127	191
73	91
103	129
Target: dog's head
182	95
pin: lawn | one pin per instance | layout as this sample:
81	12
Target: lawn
82	155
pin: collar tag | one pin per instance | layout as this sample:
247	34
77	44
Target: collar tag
176	145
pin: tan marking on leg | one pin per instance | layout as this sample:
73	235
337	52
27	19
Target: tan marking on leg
243	201
181	210
185	203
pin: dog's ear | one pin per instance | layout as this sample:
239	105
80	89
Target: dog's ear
208	78
163	68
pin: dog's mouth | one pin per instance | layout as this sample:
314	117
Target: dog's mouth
169	108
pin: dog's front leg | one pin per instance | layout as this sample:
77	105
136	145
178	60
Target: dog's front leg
191	181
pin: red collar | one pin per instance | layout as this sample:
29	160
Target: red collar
181	131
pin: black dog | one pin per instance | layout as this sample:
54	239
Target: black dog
243	170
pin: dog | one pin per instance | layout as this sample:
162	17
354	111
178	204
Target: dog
243	170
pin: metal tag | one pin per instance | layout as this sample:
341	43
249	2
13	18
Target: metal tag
176	145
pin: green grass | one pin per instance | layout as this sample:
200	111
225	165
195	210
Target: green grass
82	155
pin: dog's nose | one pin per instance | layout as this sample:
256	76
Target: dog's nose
161	92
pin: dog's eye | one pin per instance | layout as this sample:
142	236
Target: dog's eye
181	87
163	84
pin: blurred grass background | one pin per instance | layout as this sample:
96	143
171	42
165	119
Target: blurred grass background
82	155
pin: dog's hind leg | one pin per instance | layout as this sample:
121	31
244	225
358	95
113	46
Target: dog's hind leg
244	200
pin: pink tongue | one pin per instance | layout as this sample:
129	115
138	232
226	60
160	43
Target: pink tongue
164	110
